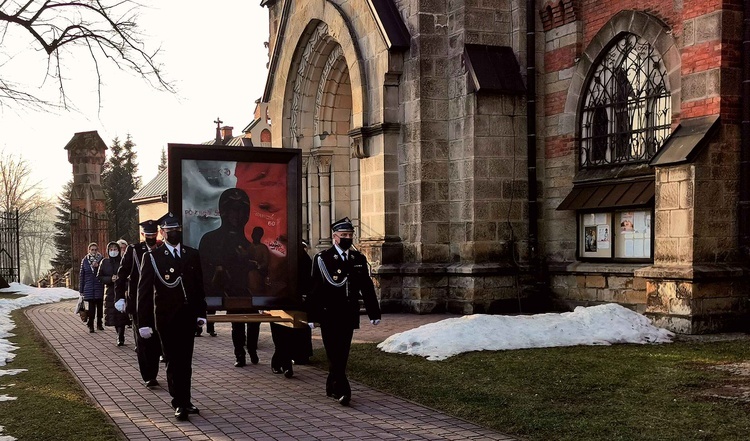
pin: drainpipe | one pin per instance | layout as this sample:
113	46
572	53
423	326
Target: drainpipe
531	130
743	214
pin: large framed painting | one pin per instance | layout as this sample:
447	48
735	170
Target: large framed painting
240	208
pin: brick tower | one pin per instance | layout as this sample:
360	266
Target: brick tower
86	151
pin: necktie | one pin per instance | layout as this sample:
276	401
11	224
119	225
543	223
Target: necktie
176	254
343	256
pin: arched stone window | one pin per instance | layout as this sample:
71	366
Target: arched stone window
626	112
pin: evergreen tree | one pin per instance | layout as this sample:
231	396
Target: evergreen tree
63	259
120	181
163	160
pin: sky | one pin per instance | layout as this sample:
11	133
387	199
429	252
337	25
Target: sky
215	57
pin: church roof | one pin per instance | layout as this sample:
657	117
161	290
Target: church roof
235	141
390	23
155	189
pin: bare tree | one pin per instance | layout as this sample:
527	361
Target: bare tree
17	190
100	29
37	242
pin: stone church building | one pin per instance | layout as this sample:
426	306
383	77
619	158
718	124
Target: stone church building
502	155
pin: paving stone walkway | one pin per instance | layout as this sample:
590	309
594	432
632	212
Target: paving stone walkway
249	403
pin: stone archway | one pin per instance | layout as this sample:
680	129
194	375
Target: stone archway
318	121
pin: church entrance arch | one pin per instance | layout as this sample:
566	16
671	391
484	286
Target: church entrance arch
318	121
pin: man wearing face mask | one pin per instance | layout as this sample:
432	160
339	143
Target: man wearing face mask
340	277
126	291
171	301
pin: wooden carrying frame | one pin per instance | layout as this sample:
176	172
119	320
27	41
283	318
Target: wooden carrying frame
249	252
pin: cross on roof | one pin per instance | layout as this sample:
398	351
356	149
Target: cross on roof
218	123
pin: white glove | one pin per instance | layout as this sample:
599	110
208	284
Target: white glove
311	325
145	332
375	322
201	321
120	305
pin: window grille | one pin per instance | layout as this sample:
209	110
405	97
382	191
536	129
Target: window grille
626	114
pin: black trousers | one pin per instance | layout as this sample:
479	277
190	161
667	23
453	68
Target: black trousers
290	344
95	308
337	340
148	351
240	338
177	340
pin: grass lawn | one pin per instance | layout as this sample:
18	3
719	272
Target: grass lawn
622	392
11	296
50	405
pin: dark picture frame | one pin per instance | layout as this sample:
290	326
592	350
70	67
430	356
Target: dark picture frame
252	267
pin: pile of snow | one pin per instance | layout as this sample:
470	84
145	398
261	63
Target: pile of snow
596	325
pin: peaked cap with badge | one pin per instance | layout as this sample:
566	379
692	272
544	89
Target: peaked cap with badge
169	220
148	226
344	224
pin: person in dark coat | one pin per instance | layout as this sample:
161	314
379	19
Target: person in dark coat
171	301
340	277
126	292
90	287
228	261
107	274
293	344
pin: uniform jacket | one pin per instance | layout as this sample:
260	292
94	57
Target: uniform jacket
108	268
168	287
337	287
89	285
126	286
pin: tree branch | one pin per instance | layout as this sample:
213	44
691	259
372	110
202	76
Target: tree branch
105	29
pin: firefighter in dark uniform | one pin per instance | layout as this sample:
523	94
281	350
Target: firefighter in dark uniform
126	291
172	302
340	277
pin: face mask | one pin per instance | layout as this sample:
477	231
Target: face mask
345	243
114	253
174	237
150	241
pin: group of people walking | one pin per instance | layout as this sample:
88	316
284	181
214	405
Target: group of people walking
96	284
158	289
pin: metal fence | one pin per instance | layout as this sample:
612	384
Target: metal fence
10	257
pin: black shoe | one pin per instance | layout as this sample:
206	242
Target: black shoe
181	413
100	327
91	329
276	370
344	400
162	359
289	373
191	409
152	383
212	334
120	342
254	357
240	362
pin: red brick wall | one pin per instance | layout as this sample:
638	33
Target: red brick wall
596	13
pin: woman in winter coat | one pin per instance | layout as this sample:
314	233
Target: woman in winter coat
90	287
108	275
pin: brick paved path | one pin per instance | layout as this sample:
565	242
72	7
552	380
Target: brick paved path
241	403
